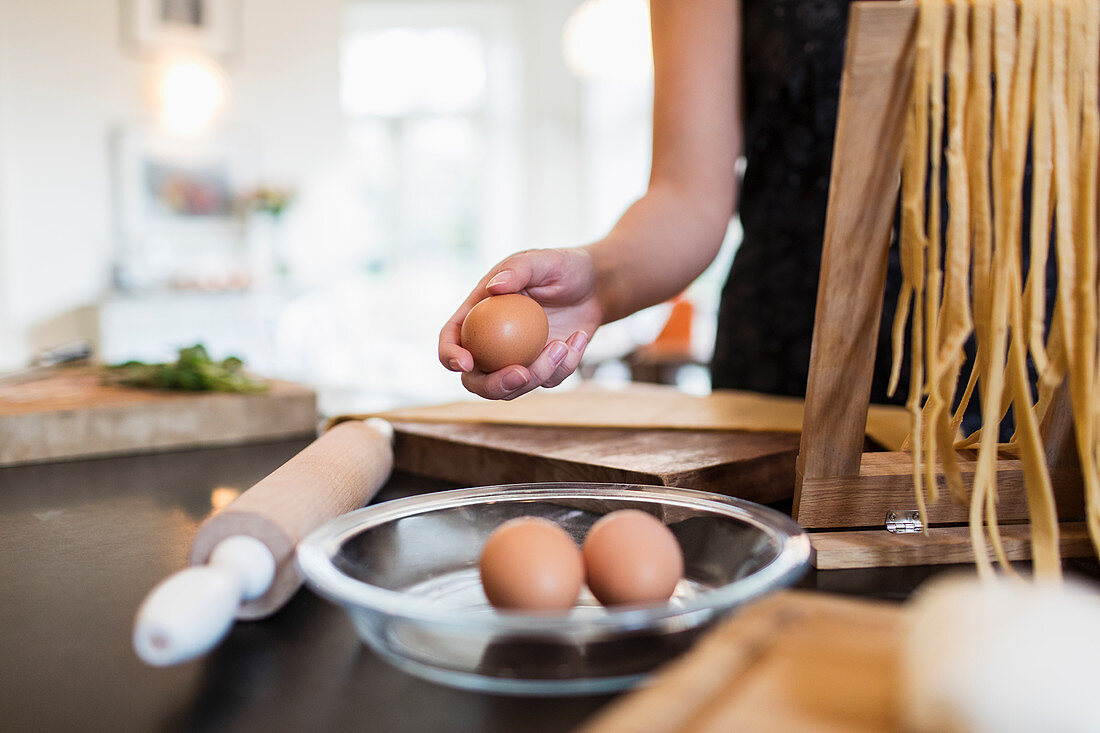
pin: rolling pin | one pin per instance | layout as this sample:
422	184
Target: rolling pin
242	560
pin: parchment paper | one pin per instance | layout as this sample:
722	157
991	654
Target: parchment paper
648	406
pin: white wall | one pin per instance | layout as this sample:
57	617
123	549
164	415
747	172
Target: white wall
65	82
7	338
555	167
285	88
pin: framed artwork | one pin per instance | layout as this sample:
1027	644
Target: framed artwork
178	209
204	26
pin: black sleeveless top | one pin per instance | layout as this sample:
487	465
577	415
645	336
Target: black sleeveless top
793	56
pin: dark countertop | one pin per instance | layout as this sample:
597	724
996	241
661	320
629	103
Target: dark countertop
82	542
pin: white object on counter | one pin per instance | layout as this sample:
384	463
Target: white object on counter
188	613
1004	656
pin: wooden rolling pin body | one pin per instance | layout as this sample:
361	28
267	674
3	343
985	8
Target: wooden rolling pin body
338	472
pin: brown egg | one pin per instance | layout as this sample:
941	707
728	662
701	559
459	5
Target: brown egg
503	330
632	557
531	564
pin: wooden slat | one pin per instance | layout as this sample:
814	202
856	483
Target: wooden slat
1059	439
885	483
867	158
941	546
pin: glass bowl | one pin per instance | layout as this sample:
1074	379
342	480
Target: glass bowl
406	572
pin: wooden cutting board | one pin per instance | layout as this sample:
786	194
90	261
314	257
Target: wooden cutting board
737	443
795	661
755	466
70	414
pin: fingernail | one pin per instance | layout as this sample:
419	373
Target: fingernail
513	380
455	365
500	278
578	340
557	353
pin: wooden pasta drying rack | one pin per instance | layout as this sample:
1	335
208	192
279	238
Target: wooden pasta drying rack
846	498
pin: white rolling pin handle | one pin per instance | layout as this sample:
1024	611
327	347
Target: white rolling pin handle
250	560
188	613
338	472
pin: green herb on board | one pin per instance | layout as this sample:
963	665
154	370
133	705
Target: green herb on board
193	370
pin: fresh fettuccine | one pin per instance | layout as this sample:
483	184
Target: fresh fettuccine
1021	79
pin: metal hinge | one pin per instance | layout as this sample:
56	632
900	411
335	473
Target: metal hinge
906	522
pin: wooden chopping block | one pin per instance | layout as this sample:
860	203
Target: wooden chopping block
754	466
72	414
794	661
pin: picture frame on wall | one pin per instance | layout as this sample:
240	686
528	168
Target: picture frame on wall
200	26
178	218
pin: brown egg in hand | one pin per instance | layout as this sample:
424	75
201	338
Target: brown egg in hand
503	330
531	564
632	557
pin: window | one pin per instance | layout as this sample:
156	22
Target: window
430	98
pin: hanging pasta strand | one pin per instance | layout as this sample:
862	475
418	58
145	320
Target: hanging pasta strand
1059	341
954	321
936	12
913	243
1082	376
978	124
1064	108
1041	164
1090	156
1063	346
992	380
1040	494
913	238
1022	75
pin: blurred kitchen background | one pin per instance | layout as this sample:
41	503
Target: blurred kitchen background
313	185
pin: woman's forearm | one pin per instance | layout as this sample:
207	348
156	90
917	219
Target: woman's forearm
670	235
658	247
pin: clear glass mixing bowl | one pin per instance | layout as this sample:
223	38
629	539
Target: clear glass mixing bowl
406	572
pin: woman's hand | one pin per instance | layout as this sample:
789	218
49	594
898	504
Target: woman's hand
563	282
